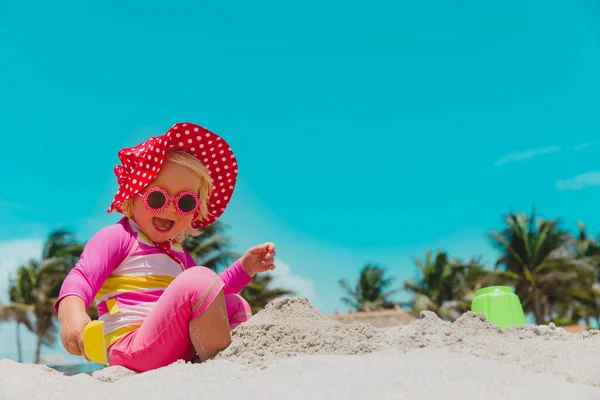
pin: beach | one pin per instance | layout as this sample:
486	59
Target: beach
290	350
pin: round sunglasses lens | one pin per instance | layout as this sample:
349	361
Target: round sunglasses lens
156	200
187	203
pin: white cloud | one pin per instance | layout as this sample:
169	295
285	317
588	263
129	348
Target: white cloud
303	287
579	182
513	157
582	146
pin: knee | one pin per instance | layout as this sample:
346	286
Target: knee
198	281
198	273
199	278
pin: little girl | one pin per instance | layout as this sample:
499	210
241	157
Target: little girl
157	305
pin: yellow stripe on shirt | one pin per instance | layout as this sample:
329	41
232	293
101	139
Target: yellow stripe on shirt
145	239
126	283
177	247
118	333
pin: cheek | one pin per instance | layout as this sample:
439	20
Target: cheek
186	219
139	211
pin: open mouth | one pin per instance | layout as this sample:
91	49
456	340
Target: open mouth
162	225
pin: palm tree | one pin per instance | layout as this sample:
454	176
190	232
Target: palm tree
446	286
583	294
259	294
211	249
585	247
19	314
38	284
371	290
473	277
571	297
20	293
536	260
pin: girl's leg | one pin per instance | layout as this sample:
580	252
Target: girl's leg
189	317
238	309
210	332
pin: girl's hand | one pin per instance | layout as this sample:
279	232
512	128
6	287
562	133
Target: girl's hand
259	258
73	320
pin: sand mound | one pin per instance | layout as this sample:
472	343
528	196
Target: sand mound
292	326
301	353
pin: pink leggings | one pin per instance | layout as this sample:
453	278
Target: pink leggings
163	337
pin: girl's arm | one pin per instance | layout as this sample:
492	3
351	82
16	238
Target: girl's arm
101	255
235	278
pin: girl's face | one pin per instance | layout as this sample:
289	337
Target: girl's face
168	223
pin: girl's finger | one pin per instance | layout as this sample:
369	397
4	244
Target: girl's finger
81	345
82	351
74	349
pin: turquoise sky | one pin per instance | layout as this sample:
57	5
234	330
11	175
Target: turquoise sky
365	132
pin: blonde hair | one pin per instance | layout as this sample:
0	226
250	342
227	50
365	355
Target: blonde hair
185	159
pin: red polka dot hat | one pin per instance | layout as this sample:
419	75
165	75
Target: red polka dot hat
142	163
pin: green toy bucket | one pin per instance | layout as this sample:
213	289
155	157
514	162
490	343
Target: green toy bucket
500	305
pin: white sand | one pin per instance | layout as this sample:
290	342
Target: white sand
291	351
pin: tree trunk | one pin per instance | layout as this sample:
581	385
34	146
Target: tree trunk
537	308
38	348
19	350
539	318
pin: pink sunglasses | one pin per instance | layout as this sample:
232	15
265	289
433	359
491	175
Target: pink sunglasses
157	199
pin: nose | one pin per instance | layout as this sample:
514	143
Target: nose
171	207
